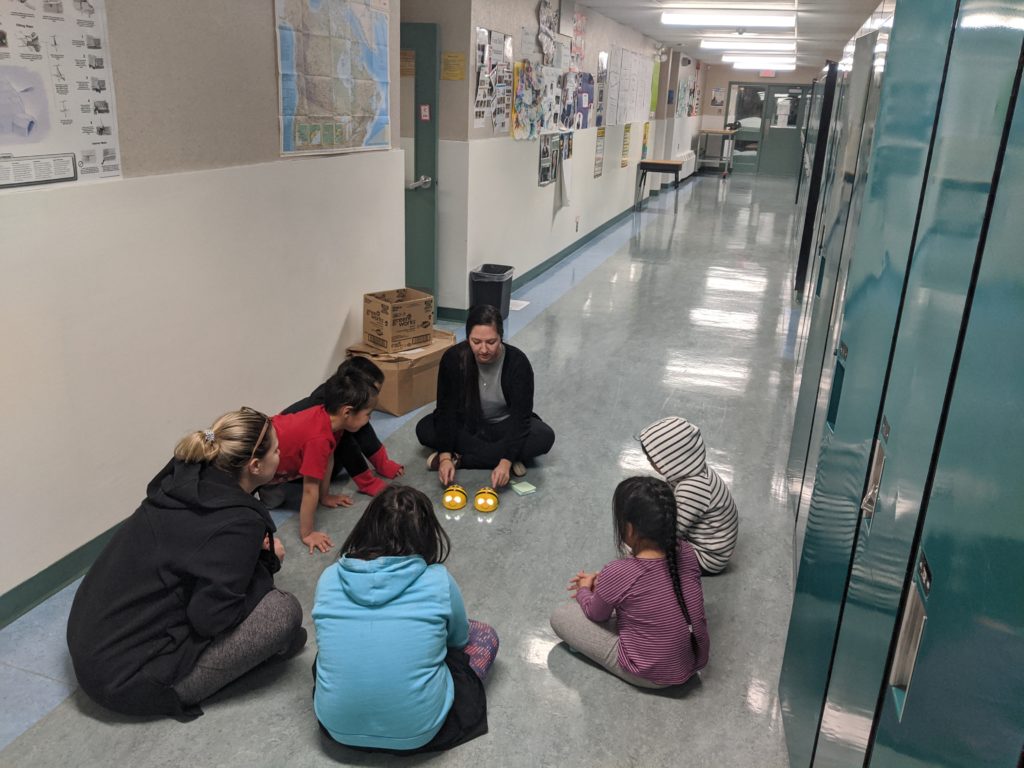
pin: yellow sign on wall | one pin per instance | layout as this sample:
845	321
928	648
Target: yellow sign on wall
408	63
453	66
626	131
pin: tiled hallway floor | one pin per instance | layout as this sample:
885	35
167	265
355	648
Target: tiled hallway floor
685	309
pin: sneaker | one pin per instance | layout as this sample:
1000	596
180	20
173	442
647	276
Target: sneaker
518	469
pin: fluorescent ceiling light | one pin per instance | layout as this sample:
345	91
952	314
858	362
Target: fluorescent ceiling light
746	45
766	65
726	19
731	59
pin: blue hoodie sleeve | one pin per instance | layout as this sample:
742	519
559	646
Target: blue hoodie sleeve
458	622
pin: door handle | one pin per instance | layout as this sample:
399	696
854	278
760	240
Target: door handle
423	182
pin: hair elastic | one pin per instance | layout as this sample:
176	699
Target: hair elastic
208	435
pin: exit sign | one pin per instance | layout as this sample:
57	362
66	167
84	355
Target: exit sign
767	73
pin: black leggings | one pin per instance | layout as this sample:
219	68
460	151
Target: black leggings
483	449
353	447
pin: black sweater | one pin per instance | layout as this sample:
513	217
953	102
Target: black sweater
452	414
186	567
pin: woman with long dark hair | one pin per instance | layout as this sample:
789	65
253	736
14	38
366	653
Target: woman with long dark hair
484	417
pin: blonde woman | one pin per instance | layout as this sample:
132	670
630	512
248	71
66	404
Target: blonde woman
182	600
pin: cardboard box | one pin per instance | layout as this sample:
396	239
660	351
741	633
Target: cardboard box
397	320
410	377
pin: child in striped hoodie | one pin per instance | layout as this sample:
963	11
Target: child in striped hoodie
706	515
642	617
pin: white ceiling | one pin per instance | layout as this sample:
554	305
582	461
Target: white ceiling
823	26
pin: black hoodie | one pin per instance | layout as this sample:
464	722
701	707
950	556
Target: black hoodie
184	569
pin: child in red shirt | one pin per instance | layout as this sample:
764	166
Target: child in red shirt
307	441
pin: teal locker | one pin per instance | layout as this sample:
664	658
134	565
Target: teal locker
953	693
979	85
838	227
895	174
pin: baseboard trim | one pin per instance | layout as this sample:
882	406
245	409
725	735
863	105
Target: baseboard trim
452	313
51	580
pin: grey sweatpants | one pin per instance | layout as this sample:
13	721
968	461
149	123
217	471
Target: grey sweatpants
598	642
267	631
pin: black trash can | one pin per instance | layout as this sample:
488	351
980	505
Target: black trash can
491	284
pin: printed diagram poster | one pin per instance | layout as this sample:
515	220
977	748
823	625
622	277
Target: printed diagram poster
57	113
334	80
628	128
550	99
599	153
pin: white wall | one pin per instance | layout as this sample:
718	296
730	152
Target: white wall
135	311
513	221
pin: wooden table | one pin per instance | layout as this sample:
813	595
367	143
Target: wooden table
655	166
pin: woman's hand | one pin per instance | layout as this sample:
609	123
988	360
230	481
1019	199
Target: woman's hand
446	469
317	540
582	580
500	474
337	500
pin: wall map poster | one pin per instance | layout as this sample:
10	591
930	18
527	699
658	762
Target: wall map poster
334	78
57	114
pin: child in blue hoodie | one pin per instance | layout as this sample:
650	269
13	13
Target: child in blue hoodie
400	668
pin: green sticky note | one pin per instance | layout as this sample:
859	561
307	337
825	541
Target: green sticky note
523	487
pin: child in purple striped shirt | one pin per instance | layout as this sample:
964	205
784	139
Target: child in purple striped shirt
642	617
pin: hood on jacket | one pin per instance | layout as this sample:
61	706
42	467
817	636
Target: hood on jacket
201	488
379	581
675	448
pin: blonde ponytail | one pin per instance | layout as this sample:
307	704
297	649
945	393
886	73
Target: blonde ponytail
198	446
229	444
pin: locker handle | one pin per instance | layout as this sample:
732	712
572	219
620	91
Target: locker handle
867	504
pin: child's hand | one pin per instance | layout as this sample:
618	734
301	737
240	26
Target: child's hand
582	580
317	540
279	549
333	500
446	471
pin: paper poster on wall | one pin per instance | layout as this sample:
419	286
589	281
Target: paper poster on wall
334	75
550	99
611	107
655	76
483	47
647	136
579	34
599	153
717	97
453	65
58	120
547	169
407	63
497	49
570	84
565	173
501	102
526	117
627	130
584	100
601	88
547	17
